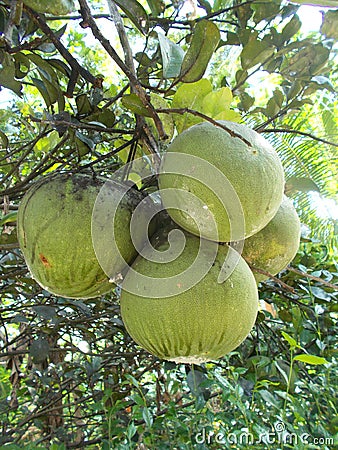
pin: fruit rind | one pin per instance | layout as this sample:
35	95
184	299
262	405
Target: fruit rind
201	324
275	246
54	233
246	159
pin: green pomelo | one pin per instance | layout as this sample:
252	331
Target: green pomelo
55	236
238	169
199	324
275	246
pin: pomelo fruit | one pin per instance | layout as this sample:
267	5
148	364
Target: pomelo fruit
275	246
55	236
199	324
206	167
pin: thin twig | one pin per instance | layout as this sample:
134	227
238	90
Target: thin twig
205	117
81	125
40	21
88	21
128	54
277	280
302	133
313	277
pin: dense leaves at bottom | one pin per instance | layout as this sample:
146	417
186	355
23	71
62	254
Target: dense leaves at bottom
75	378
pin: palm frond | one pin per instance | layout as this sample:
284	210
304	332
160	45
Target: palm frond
305	156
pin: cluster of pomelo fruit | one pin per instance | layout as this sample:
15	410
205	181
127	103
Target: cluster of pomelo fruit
222	186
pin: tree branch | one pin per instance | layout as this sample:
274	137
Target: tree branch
13	20
88	21
40	21
128	54
302	133
313	277
277	280
205	117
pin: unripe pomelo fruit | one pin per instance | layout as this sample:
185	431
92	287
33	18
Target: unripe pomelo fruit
207	167
202	323
55	235
275	246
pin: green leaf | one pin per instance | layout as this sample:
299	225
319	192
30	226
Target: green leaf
156	7
4	140
8	218
136	13
147	417
241	76
301	184
83	143
105	117
291	341
265	11
274	104
246	101
269	398
134	104
255	52
22	65
291	28
323	83
194	380
131	430
295	88
205	39
320	293
330	25
217	101
190	96
39	350
83	104
217	105
7	75
47	143
172	57
56	7
167	120
40	85
45	311
311	359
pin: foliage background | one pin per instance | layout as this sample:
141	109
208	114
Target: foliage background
70	376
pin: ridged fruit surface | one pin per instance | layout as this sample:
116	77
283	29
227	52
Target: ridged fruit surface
275	246
54	233
200	324
246	160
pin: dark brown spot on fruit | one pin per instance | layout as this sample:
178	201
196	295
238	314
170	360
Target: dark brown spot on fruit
44	260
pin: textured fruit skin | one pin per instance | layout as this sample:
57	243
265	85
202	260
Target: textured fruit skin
254	171
203	323
54	233
275	246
